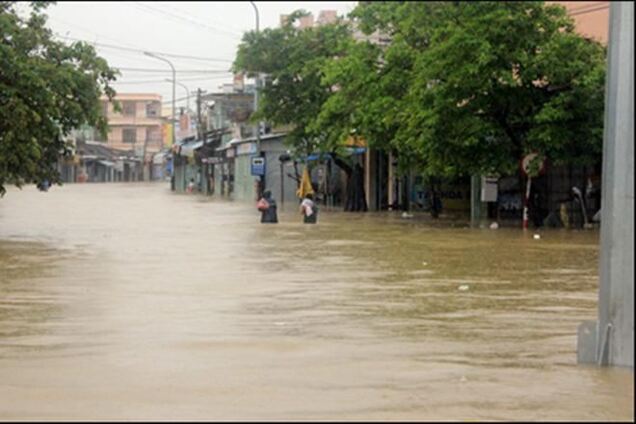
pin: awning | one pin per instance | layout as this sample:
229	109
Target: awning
189	148
355	150
349	150
316	156
355	141
106	163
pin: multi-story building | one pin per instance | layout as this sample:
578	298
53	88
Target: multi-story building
137	126
327	17
324	17
591	18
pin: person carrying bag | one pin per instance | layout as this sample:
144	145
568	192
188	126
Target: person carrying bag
267	207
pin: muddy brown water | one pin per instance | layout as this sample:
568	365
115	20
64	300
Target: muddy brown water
128	302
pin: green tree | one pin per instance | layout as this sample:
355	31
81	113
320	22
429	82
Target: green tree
293	61
47	89
490	82
374	78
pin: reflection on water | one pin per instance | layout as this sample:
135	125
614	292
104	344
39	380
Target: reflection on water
129	302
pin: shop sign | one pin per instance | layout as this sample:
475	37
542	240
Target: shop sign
246	148
258	166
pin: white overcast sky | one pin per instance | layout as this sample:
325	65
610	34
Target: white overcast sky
202	29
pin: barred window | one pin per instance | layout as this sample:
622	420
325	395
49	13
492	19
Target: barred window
129	135
129	108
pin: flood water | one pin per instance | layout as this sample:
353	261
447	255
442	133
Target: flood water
129	302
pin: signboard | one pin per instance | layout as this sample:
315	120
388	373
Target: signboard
258	165
488	189
527	161
246	149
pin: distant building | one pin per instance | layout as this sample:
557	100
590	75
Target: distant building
185	124
137	126
306	21
326	17
591	18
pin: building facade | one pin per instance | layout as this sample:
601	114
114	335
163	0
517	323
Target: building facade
590	17
137	126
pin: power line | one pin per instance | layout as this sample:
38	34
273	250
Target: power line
176	100
233	29
586	5
179	80
91	31
589	11
112	46
164	71
187	20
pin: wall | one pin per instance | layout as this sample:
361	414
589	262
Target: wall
273	148
144	124
591	17
243	180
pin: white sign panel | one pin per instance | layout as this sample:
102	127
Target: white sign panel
246	148
488	189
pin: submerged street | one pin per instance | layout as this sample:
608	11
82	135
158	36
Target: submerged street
128	302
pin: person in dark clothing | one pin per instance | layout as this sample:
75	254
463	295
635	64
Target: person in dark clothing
43	185
267	206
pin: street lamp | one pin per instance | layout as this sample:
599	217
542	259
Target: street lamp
174	80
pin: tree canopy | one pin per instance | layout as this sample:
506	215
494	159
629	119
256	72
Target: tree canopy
47	89
460	88
293	61
493	81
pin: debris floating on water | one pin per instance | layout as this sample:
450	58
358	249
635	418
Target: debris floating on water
463	287
407	215
424	263
537	236
494	226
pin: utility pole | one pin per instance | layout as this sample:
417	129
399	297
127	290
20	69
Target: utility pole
199	121
610	339
258	125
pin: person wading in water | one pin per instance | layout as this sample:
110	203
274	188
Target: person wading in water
309	210
267	206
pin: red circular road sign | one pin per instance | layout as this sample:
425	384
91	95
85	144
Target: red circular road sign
527	160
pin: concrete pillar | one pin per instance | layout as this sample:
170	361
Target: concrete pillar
475	200
610	340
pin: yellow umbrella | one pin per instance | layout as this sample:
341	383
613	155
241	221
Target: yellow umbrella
305	185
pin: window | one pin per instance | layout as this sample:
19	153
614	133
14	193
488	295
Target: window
129	108
105	108
152	109
129	135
